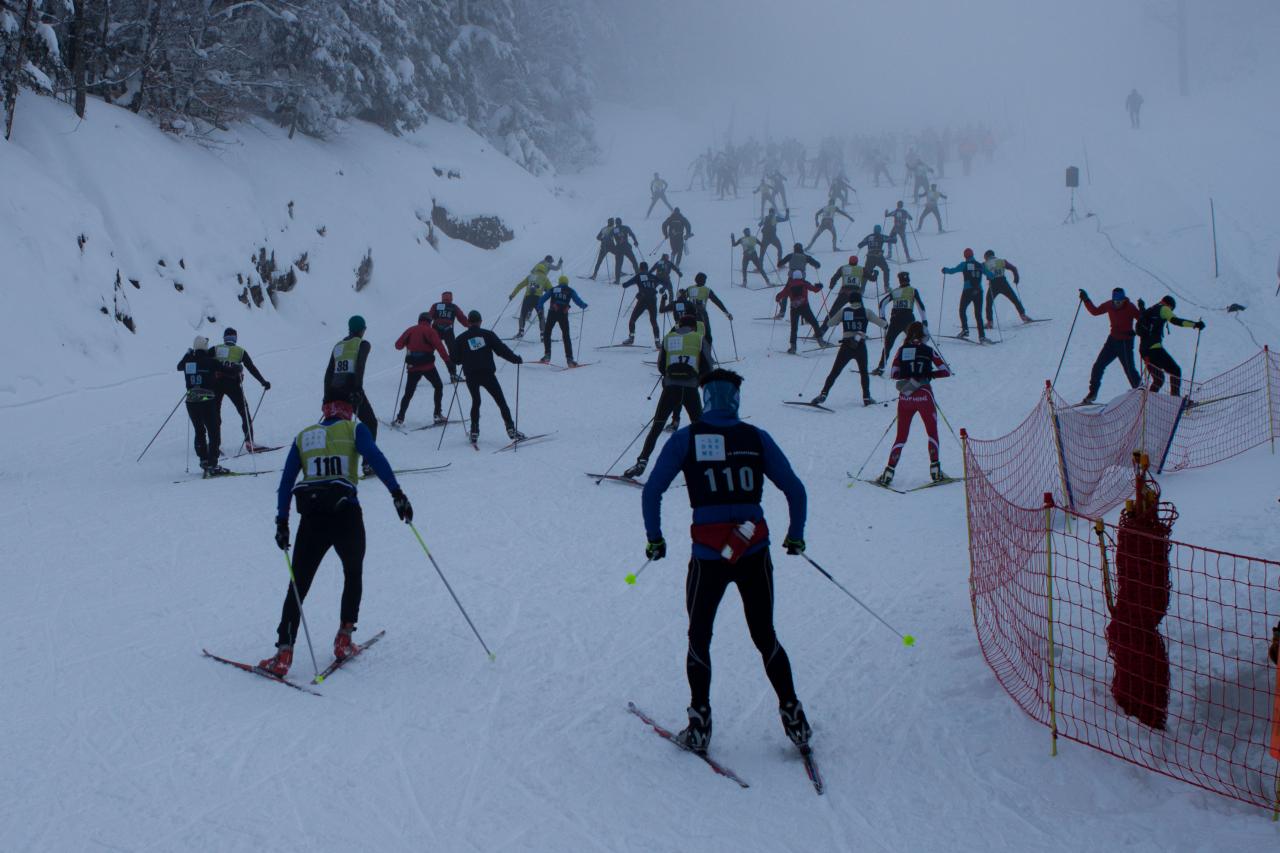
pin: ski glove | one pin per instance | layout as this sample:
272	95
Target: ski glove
656	549
1199	324
266	386
795	547
282	533
1084	297
404	509
519	360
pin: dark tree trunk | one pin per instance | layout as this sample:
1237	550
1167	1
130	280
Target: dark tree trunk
11	91
79	62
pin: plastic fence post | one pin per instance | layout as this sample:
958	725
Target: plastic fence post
1057	441
1271	417
1100	527
1048	574
968	520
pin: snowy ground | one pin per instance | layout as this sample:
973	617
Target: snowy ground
121	736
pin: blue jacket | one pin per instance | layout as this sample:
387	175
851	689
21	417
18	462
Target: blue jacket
573	294
364	444
776	468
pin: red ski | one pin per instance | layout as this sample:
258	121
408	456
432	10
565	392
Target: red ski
248	667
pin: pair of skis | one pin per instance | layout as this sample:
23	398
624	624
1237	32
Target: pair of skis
333	667
945	481
806	754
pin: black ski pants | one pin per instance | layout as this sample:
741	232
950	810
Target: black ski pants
826	225
364	414
1159	362
604	251
557	320
649	305
343	531
411	385
234	392
850	351
528	306
704	588
971	296
1000	287
898	322
618	255
767	240
900	233
877	262
1114	349
206	424
489	383
752	258
930	209
669	403
660	197
805	313
677	250
450	345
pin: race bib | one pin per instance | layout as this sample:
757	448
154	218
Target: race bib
476	343
314	439
708	448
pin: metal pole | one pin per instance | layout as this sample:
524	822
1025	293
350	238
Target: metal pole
448	416
297	597
399	385
733	338
647	424
1213	220
162	426
1070	332
461	609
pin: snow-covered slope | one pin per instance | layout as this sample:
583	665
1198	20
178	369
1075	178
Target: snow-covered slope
121	736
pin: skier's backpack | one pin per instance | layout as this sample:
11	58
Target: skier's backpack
1149	322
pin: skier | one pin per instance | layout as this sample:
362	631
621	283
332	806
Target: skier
443	315
874	244
663	268
769	233
904	298
657	193
558	317
970	293
798	260
725	462
880	166
1150	331
915	366
993	268
768	195
901	216
824	219
344	377
1122	315
552	264
228	381
838	191
648	286
797	292
1133	104
476	348
534	285
853	320
198	367
851	278
676	229
623	238
326	454
685	357
931	206
749	255
701	294
421	343
605	238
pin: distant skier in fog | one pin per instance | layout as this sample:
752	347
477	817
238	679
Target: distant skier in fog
1133	104
657	193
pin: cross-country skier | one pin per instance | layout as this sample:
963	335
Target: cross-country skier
796	292
326	455
769	233
901	216
725	462
228	381
663	268
824	218
874	244
701	294
880	166
1133	104
993	268
931	206
1122	315
534	285
421	343
838	192
684	358
552	264
915	366
443	315
560	297
904	299
970	292
1150	330
676	228
476	348
798	260
851	277
657	193
623	239
853	319
605	238
648	287
198	367
344	376
749	255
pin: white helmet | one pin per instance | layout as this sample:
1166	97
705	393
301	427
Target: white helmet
200	343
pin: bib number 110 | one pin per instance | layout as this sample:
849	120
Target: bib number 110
329	466
746	480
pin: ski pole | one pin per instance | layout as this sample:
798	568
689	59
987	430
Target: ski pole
942	299
621	297
399	385
254	416
518	364
942	415
655	387
656	248
448	416
188	464
858	476
461	609
581	323
907	639
306	632
808	378
625	449
501	313
733	338
635	576
162	426
1068	342
1194	360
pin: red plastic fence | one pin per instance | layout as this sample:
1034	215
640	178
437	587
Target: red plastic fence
1041	584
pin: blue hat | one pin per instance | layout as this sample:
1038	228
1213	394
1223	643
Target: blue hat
1118	294
356	325
877	229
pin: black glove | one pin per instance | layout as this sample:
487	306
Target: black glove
1084	297
794	547
656	549
266	386
1199	324
282	533
453	378
404	509
519	360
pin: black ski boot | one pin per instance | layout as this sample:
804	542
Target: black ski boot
515	434
886	477
819	400
935	472
696	736
637	469
795	724
867	401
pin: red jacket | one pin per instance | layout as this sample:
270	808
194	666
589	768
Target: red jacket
1122	317
797	290
422	339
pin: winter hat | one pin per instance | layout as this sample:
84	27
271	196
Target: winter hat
877	229
915	332
1170	301
853	260
904	276
720	391
356	324
700	278
798	247
424	317
229	335
968	254
473	317
563	279
340	409
797	274
200	343
989	254
1118	294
